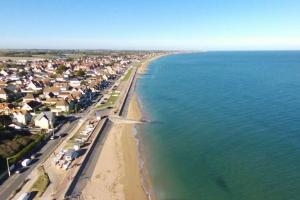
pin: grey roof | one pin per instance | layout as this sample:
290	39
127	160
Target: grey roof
49	115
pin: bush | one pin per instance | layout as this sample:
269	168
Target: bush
25	150
41	184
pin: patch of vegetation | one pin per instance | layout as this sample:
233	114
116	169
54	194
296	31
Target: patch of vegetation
61	69
111	100
42	182
14	144
127	75
5	120
79	73
26	149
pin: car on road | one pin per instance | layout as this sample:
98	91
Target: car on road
25	162
52	137
24	196
62	135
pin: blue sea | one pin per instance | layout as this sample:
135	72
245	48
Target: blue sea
224	125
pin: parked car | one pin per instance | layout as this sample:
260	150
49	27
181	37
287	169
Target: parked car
52	137
25	162
24	196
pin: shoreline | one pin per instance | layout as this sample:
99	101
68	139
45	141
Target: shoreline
121	172
144	65
143	166
145	177
138	129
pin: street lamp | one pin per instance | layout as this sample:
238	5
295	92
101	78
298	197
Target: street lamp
52	124
8	169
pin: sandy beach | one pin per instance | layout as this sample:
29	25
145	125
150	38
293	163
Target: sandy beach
144	65
118	175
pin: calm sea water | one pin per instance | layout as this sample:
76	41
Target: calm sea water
225	125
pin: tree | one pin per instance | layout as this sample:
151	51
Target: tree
84	82
53	76
22	73
70	59
60	69
79	73
5	120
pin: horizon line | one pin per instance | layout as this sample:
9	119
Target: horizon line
108	49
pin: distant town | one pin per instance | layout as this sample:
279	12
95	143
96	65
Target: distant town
44	95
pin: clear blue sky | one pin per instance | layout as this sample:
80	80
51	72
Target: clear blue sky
155	24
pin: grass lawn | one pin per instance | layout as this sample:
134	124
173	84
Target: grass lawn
127	75
42	182
111	100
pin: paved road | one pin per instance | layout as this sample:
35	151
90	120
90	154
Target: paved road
13	182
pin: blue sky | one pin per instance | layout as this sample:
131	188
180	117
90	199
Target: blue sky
155	24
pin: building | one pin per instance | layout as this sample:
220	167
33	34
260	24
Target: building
35	86
3	94
21	116
45	120
29	97
31	106
62	105
75	83
6	108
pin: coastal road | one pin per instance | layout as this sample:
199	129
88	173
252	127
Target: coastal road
13	182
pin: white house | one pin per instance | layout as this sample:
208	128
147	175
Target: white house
3	72
44	120
22	117
3	94
75	83
34	85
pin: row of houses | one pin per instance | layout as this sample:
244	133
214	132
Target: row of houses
34	92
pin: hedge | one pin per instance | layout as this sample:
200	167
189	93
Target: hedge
25	150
